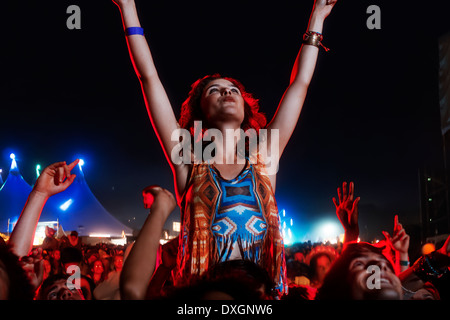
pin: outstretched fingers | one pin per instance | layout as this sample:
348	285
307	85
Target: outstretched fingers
344	191
335	202
351	191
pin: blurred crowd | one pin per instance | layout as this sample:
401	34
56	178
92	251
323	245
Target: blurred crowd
67	269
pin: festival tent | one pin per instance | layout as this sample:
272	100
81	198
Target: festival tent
13	196
75	209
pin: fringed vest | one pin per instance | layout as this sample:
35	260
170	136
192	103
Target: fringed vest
201	201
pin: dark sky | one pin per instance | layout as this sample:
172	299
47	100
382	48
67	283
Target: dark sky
371	115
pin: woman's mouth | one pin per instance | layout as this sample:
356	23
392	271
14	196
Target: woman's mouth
228	99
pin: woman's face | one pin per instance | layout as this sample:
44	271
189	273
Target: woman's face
98	267
222	102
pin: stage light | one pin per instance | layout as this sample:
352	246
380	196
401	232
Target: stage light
38	170
66	205
328	231
13	162
285	223
428	248
80	164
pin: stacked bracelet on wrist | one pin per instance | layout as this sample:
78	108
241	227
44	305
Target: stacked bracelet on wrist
313	38
134	30
426	268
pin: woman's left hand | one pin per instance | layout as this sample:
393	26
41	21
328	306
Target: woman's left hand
323	7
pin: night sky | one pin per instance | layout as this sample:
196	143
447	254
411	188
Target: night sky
371	115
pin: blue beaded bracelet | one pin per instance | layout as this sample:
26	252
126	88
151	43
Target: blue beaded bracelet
134	30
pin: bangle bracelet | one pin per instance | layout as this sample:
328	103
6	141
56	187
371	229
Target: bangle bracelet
134	30
313	38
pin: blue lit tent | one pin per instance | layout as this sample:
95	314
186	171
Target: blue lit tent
13	196
77	209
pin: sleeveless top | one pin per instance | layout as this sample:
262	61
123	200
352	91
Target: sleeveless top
223	217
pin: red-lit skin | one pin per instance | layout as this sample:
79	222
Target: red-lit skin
399	242
347	211
161	112
411	282
140	263
323	264
60	291
118	263
54	178
391	287
223	104
97	271
147	199
221	114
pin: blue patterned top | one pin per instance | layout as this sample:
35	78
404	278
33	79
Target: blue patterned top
238	225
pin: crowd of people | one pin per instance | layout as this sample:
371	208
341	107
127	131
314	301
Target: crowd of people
67	269
230	245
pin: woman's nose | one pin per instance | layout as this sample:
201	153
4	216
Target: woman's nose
65	294
226	91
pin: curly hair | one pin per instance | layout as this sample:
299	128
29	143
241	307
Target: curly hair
191	110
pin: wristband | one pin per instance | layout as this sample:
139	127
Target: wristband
134	30
404	263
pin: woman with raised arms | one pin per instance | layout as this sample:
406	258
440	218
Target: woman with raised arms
228	206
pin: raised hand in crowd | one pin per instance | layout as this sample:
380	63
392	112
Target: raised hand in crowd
139	267
399	242
347	211
55	178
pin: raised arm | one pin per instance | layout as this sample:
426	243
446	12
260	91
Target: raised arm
158	105
347	211
288	112
399	242
140	264
54	179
